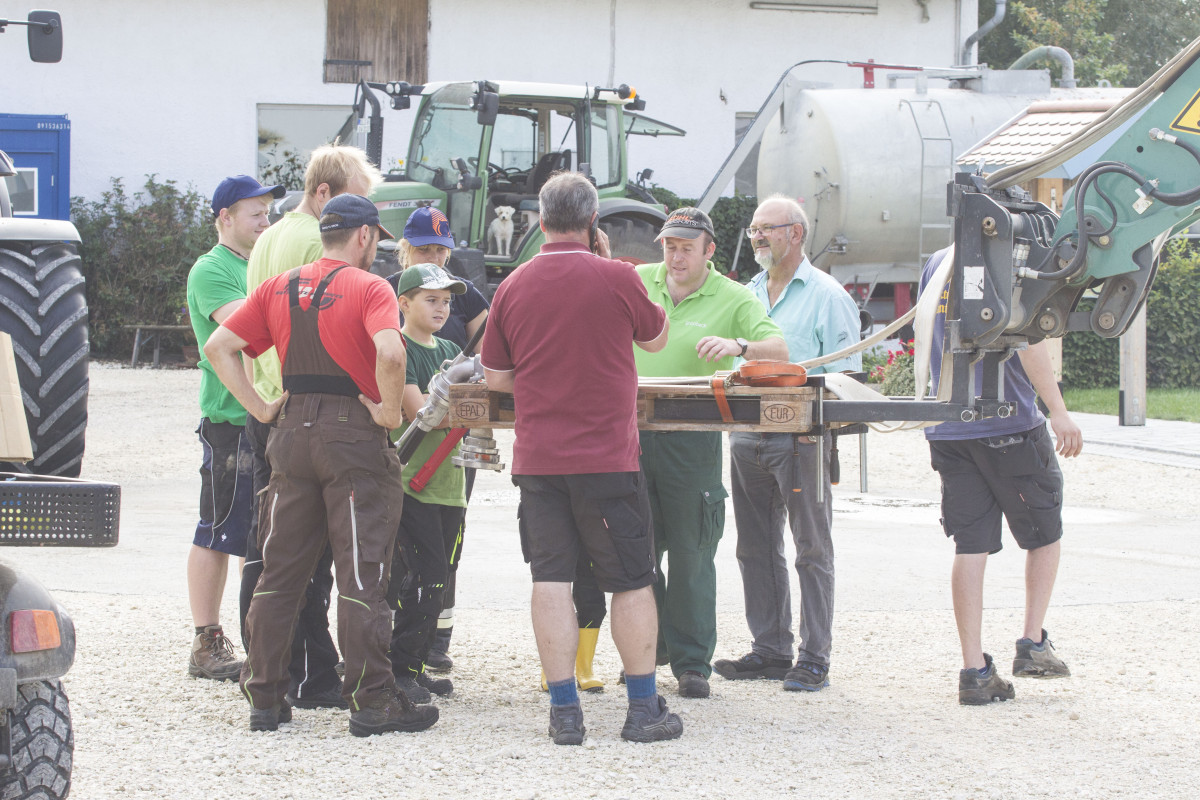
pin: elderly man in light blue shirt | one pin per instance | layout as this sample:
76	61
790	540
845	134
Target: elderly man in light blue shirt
774	475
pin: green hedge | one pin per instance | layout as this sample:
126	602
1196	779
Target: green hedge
1172	332
137	251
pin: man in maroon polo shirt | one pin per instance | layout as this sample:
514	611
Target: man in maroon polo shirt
560	337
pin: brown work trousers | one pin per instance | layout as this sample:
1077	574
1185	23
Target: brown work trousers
329	461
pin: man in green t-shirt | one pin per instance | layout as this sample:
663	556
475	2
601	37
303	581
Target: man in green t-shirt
291	242
714	321
431	522
216	287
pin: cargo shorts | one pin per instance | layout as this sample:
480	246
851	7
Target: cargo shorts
605	514
1014	476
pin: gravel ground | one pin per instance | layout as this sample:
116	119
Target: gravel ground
1126	617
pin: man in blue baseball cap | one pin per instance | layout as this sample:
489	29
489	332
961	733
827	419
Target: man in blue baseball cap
216	286
241	187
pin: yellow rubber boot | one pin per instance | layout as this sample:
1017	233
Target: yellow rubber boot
545	686
583	661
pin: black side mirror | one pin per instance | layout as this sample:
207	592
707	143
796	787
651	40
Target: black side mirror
486	104
45	36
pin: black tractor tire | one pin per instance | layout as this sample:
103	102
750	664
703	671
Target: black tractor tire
43	744
632	239
43	308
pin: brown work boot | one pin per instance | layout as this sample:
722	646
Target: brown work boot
391	710
212	656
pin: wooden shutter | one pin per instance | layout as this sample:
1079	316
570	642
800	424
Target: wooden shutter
376	40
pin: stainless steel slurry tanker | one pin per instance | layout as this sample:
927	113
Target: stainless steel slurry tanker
871	164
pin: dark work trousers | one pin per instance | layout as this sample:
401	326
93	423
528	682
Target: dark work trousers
427	550
329	461
683	478
452	580
314	657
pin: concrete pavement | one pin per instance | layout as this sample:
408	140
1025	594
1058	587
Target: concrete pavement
1159	441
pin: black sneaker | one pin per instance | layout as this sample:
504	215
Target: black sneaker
438	661
649	720
980	687
330	698
268	719
806	676
566	724
413	690
752	665
439	686
392	711
693	684
1038	659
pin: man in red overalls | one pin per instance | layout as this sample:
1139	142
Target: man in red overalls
336	329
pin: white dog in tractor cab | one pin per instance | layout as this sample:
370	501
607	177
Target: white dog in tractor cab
500	232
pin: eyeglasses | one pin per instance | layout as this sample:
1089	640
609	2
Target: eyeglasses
752	232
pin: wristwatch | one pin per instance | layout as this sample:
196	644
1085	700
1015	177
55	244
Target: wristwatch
744	345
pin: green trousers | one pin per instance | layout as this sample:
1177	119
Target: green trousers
683	476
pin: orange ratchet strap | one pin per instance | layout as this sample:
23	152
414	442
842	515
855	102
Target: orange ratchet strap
761	372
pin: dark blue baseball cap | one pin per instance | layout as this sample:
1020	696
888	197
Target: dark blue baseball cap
351	211
428	225
240	187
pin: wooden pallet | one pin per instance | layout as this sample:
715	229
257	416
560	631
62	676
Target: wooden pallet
664	408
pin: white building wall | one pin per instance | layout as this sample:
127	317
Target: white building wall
169	88
172	88
697	62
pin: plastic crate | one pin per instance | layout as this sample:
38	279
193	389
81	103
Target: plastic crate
44	511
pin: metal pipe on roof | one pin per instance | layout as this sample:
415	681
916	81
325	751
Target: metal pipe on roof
1054	53
984	30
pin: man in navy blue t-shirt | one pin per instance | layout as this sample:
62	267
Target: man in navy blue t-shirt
1003	466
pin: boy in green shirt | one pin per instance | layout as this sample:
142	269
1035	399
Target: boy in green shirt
427	544
216	287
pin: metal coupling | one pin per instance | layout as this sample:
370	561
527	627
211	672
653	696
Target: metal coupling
478	451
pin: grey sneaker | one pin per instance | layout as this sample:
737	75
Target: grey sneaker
752	665
693	684
268	719
413	690
649	720
980	687
566	724
212	656
806	676
392	711
1038	659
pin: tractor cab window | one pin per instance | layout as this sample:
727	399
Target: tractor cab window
514	149
605	145
446	131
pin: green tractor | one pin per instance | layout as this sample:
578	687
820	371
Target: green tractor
480	147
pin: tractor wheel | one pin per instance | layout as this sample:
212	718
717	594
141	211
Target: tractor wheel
43	307
43	744
632	239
